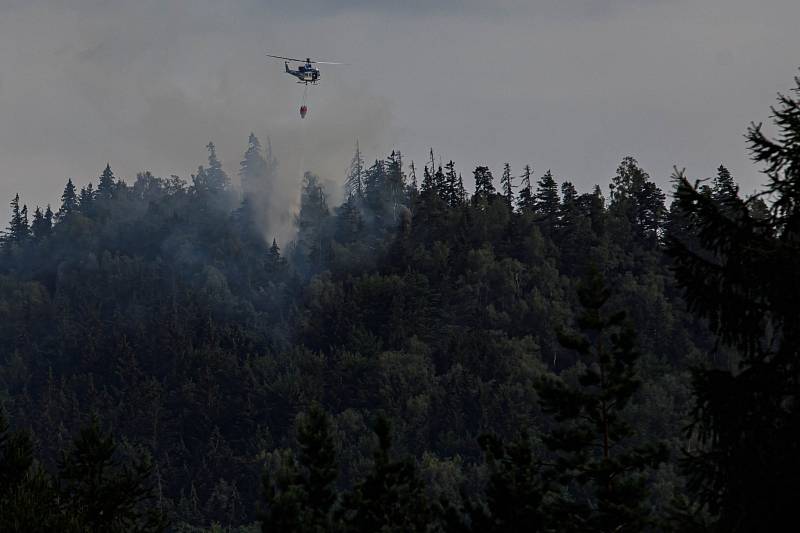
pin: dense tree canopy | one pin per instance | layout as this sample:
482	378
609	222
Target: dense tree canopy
414	359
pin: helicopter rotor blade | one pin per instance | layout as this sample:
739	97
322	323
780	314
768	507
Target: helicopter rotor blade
328	63
286	58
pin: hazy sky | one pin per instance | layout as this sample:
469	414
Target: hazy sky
571	85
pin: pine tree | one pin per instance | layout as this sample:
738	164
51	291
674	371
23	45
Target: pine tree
744	282
395	183
40	228
49	218
28	499
526	201
253	169
568	211
69	201
18	229
725	187
105	493
349	221
275	262
508	186
591	438
451	185
300	496
354	182
106	186
86	199
515	488
546	198
390	498
311	221
215	179
484	188
375	186
638	199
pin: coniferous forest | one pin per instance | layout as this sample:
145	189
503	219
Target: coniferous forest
523	356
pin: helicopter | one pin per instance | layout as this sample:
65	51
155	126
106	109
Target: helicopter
307	72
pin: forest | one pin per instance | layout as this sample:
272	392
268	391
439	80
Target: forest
522	356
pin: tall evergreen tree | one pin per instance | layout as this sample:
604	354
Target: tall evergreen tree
106	185
508	186
390	498
354	182
638	199
484	188
105	492
743	281
591	439
300	497
724	185
86	199
311	221
18	228
526	200
454	188
40	228
69	200
515	489
275	262
213	179
253	169
546	198
395	183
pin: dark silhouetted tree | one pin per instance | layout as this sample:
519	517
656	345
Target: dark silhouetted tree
300	496
546	198
526	201
604	476
354	182
106	185
390	498
744	469
69	200
508	186
105	492
18	229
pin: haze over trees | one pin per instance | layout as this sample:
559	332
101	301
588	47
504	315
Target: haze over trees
524	356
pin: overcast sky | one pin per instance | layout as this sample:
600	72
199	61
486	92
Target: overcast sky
570	85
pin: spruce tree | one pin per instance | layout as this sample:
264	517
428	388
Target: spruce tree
18	229
390	498
515	489
594	459
484	188
545	200
69	200
253	169
86	199
639	200
106	185
274	259
526	201
311	221
49	218
395	183
354	182
39	227
29	502
216	180
104	492
508	186
744	282
724	185
453	186
300	496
